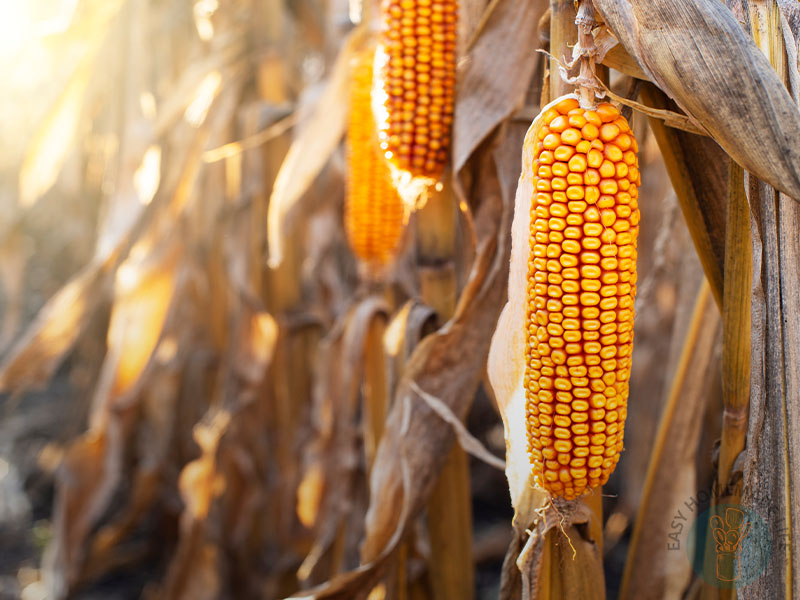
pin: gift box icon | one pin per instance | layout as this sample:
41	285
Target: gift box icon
728	535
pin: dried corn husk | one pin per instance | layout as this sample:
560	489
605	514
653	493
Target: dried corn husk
718	77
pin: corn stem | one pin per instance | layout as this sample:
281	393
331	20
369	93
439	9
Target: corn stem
449	508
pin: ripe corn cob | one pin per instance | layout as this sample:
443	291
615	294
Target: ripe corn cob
581	290
374	213
417	77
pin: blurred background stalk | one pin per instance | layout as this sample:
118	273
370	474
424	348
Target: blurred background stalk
449	507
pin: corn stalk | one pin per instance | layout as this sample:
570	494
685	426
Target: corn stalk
563	35
773	440
449	508
736	320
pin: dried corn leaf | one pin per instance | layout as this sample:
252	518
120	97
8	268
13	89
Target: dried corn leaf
93	468
195	568
333	458
469	443
81	474
199	482
186	87
472	18
258	339
158	404
697	52
319	136
495	75
407	327
55	137
34	358
698	169
144	291
618	58
226	483
557	561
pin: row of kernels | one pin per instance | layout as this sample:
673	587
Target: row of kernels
419	39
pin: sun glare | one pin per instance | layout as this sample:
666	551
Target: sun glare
197	111
25	22
203	11
16	27
148	176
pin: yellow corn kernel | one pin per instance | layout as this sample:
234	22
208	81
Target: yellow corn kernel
591	308
374	214
417	79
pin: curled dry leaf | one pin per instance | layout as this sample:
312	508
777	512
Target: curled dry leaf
412	322
318	138
258	337
325	497
200	482
469	443
696	51
407	327
195	568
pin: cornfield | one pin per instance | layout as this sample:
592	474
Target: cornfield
400	299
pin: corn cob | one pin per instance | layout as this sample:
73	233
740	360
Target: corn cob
581	290
374	213
416	81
